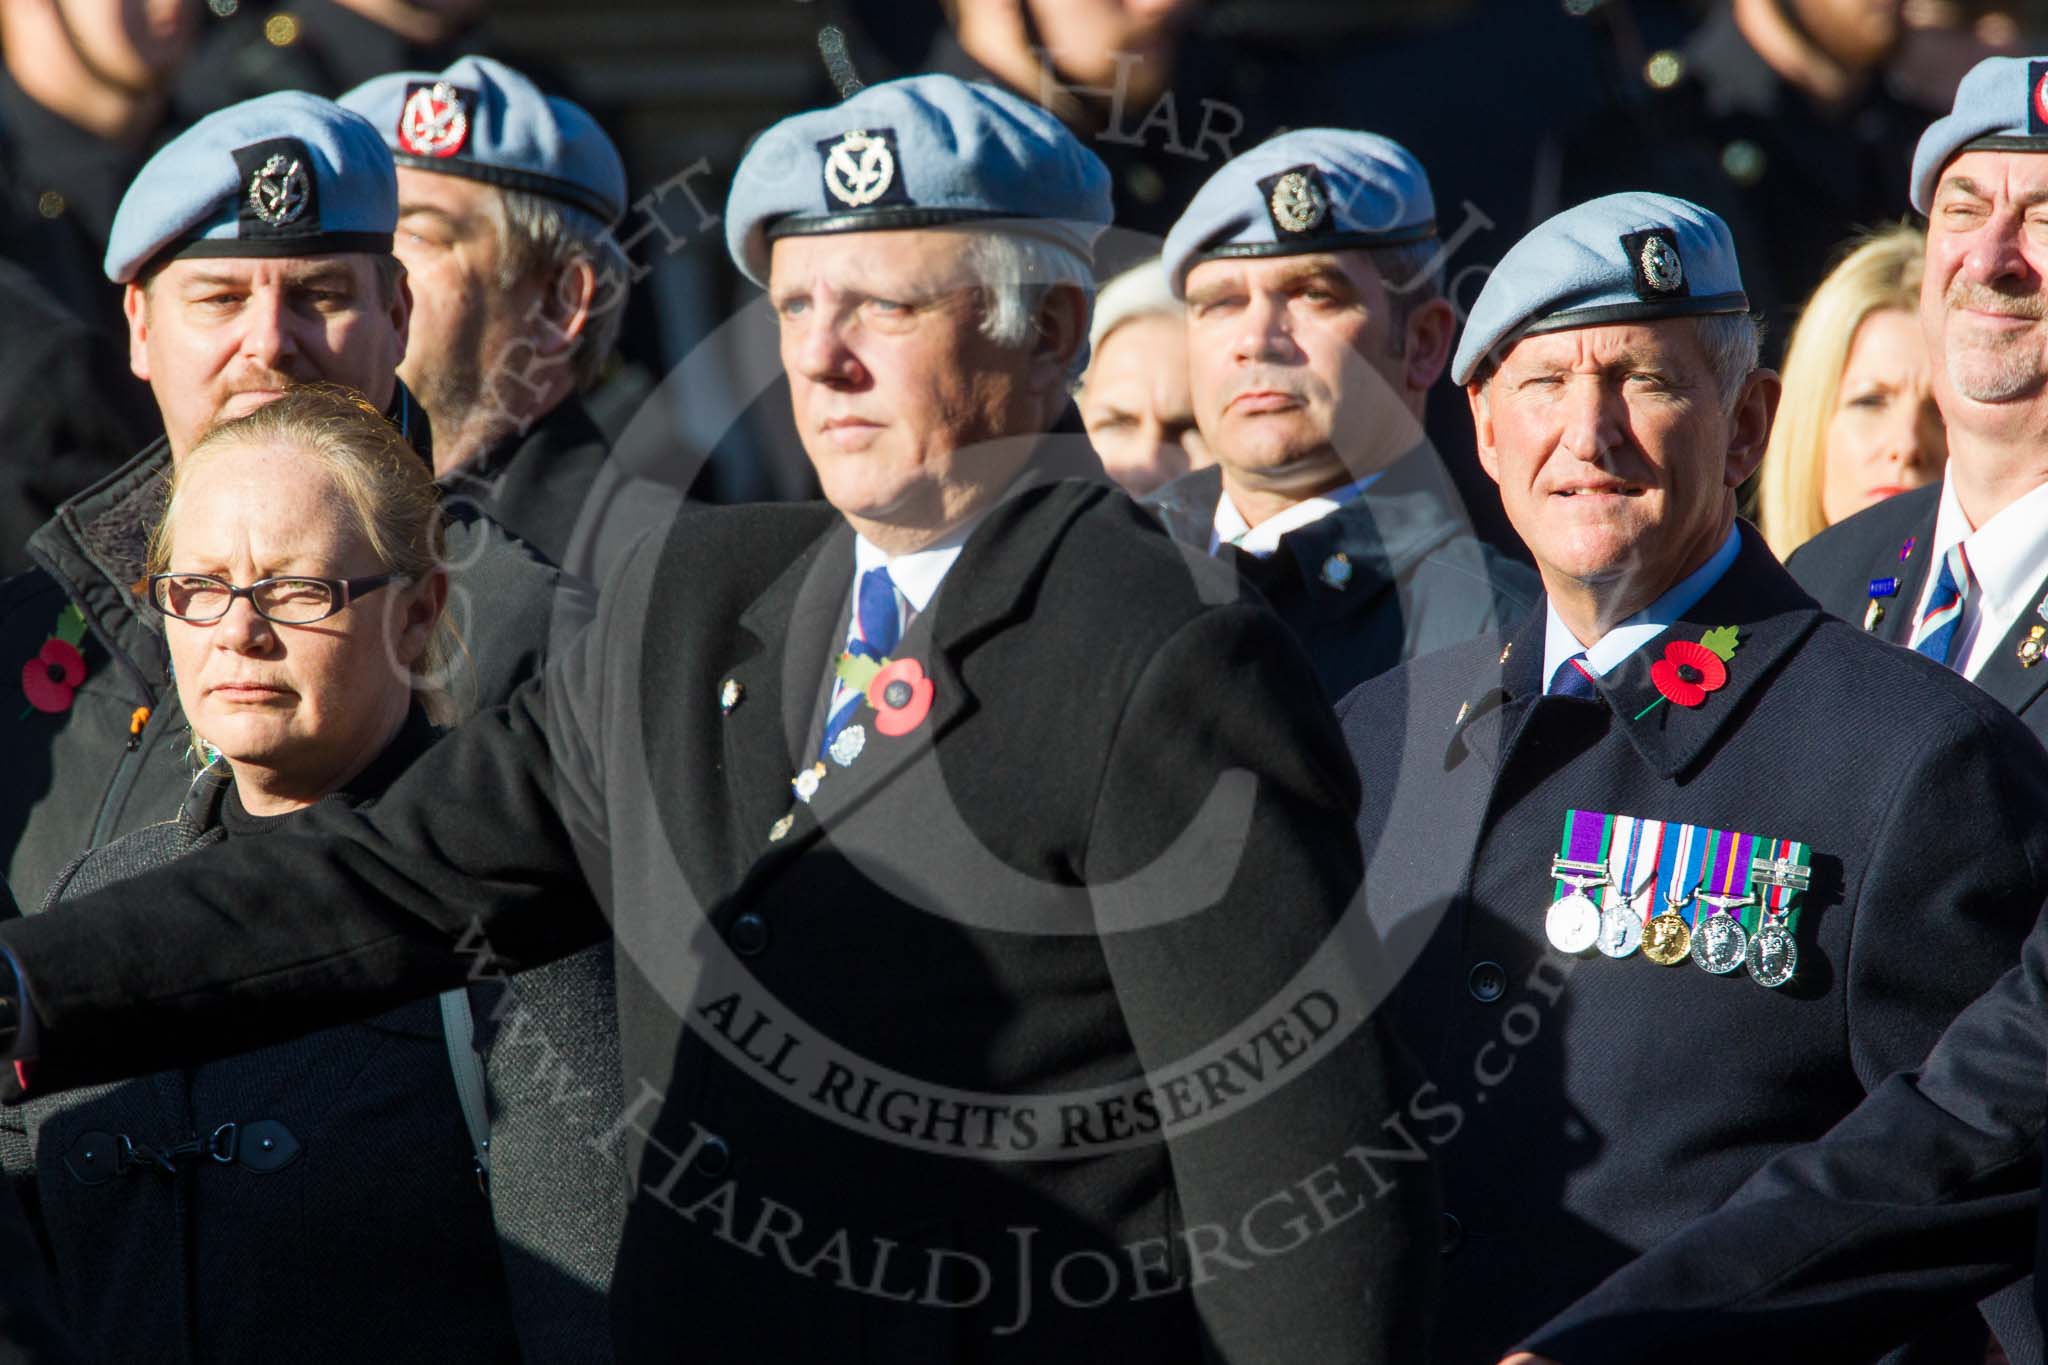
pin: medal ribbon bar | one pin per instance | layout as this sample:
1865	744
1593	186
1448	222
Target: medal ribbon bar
1583	851
1784	873
1633	861
1678	870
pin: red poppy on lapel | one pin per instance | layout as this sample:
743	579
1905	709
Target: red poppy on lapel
1687	672
52	677
901	695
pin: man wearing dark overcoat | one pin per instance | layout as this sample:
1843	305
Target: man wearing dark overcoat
992	980
1673	912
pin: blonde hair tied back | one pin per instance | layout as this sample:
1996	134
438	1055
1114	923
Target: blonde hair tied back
388	489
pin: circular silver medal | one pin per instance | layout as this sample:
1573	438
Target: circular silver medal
1773	955
1621	928
1718	944
1573	924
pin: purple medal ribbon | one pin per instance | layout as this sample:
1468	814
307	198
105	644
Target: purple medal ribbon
1731	859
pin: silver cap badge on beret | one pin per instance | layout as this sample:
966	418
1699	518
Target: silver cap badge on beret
277	191
859	168
435	120
1654	262
1662	270
1298	202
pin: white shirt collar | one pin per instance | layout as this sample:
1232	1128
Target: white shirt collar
918	574
2008	554
1230	527
1646	625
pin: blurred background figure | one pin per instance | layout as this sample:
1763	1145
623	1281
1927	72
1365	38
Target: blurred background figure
1857	423
1134	398
325	46
83	102
1128	78
1776	114
319	1200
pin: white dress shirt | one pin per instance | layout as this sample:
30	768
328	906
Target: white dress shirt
1646	625
2008	558
1230	527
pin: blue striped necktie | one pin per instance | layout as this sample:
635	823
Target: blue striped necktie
1941	625
877	629
1571	680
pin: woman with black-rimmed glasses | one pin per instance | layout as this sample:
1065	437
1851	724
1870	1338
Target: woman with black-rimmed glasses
319	1200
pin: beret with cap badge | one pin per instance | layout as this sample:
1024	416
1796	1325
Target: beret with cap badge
1622	258
288	174
924	151
2001	106
482	120
1311	190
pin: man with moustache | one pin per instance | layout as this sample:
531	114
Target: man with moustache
253	253
1979	538
1316	327
1671	912
887	794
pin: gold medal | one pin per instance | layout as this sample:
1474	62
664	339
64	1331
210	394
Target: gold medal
1666	940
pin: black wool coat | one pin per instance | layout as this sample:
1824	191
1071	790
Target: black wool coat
1392	574
1895	540
1121	835
1924	1198
291	1203
1590	1107
556	487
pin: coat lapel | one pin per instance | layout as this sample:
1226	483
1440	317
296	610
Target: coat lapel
986	589
799	623
1907	562
793	625
2005	674
1772	617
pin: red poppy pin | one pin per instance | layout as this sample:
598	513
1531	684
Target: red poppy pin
51	678
901	695
1691	669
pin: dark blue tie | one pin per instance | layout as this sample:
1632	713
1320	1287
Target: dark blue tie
1571	681
1942	625
879	617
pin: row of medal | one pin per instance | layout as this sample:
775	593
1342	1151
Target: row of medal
1724	899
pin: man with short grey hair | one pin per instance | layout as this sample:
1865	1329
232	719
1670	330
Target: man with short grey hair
1668	907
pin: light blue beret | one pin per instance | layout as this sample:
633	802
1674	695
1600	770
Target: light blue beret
1314	189
483	120
924	151
288	174
1622	258
2001	106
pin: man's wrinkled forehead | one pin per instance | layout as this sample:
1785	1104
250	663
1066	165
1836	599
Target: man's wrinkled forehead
2020	178
907	262
1657	343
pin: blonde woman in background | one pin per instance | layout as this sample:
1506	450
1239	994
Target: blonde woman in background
1857	422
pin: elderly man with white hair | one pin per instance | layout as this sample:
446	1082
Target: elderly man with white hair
991	983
